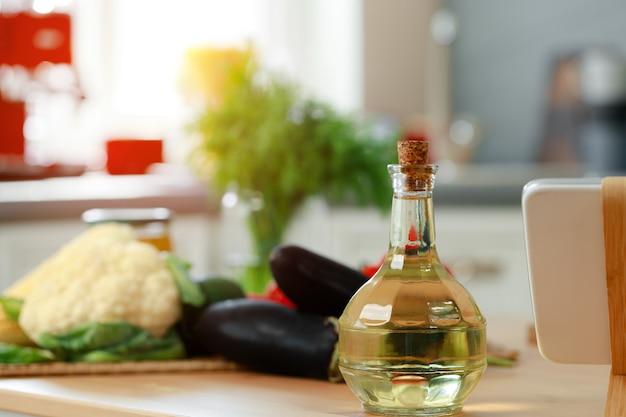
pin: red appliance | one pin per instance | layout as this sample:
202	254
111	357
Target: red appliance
12	117
133	156
29	39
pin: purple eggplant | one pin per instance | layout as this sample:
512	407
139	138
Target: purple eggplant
268	337
314	283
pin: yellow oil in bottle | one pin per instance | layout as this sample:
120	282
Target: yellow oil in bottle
407	350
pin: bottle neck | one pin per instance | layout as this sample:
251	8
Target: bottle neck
412	232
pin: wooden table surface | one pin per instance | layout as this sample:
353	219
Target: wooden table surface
535	387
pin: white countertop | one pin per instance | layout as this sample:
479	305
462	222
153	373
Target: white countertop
66	197
177	189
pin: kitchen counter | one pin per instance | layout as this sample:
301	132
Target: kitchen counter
494	184
535	387
176	189
68	197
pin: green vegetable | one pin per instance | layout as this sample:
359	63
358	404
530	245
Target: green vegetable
11	306
219	288
97	342
495	361
215	289
112	342
14	354
190	292
88	336
107	342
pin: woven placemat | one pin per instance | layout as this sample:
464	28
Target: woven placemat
63	368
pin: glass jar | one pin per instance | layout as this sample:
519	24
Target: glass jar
412	341
151	225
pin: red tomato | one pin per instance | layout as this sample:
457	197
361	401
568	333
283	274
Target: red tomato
275	294
370	270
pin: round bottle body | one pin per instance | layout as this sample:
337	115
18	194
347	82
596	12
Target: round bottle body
412	346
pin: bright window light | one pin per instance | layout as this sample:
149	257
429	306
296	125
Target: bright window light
44	6
150	37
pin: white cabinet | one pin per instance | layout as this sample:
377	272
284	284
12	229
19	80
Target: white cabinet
485	248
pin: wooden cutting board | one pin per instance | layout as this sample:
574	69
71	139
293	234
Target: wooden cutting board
63	368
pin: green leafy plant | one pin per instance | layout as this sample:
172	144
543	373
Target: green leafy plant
271	141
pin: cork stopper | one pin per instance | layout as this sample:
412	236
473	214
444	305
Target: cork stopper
413	160
412	152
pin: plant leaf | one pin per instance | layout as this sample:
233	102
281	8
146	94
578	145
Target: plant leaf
12	307
14	354
190	292
112	342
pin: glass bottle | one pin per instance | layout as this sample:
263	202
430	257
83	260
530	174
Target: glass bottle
151	225
412	340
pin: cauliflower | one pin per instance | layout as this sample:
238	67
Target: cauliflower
104	275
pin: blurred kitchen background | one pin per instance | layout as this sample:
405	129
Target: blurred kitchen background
504	91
